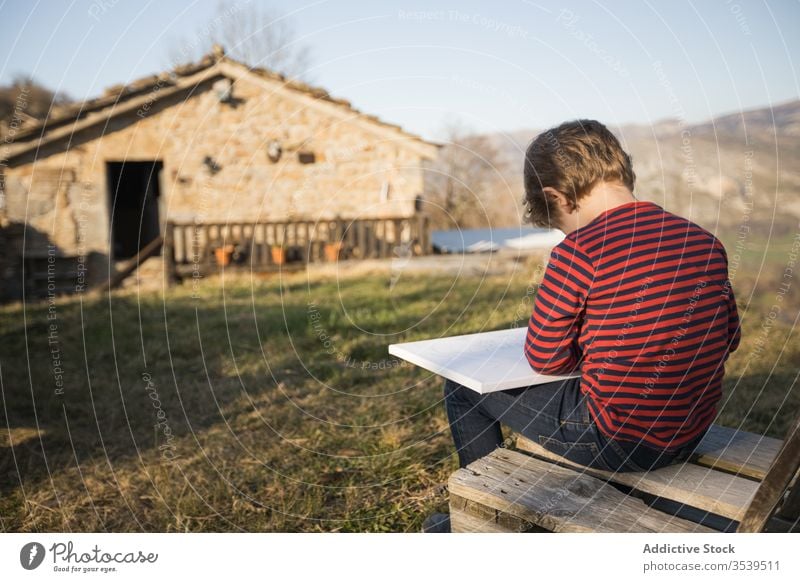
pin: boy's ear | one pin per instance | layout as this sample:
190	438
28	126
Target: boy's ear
558	197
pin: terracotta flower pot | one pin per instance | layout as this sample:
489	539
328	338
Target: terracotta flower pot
223	255
332	251
278	255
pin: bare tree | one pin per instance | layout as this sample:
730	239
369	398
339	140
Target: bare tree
25	101
462	183
256	35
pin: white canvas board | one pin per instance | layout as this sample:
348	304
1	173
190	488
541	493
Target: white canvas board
484	362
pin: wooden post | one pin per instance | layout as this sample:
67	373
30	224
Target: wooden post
257	249
425	234
133	264
307	242
372	243
310	242
397	241
350	237
772	488
790	510
168	252
361	239
196	245
375	243
206	236
177	242
386	247
212	232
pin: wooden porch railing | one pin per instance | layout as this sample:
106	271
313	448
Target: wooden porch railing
266	245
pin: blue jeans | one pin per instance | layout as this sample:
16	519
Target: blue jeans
555	415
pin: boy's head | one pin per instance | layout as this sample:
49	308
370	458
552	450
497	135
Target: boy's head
564	163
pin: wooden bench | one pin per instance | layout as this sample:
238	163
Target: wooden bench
734	481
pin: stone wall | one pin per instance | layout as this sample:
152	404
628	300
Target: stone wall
361	168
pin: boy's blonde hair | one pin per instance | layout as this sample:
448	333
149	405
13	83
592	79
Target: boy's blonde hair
571	158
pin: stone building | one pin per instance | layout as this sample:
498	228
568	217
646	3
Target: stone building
214	141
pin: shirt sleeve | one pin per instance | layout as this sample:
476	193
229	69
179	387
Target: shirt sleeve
551	345
734	325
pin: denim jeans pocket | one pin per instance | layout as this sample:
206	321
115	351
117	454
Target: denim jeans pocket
616	457
587	453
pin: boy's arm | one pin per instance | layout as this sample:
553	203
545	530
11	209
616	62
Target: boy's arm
734	325
551	345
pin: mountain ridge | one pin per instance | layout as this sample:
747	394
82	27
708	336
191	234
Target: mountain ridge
731	170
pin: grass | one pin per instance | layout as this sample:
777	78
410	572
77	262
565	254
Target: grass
272	405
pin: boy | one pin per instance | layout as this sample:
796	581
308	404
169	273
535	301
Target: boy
636	299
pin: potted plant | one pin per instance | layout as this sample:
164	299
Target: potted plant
332	251
278	254
223	255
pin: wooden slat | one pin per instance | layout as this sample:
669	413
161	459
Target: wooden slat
774	486
194	244
168	253
557	498
362	237
349	240
133	264
743	453
737	451
397	233
467	516
338	230
721	493
425	235
712	520
312	244
386	248
260	242
790	508
371	246
361	240
465	522
301	234
308	234
177	243
378	242
781	525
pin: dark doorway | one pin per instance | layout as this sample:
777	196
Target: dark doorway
134	192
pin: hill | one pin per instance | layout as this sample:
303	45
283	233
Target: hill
730	172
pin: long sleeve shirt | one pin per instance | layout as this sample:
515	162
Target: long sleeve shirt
640	302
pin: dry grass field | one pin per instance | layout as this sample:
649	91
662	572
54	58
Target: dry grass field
270	404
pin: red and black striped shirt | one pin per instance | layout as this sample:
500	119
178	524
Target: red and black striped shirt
639	300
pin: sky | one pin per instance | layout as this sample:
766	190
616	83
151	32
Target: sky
496	66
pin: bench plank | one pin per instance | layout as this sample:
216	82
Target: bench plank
790	508
465	522
713	491
774	486
712	520
467	516
734	451
557	498
737	451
